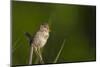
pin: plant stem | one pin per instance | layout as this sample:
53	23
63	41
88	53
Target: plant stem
59	52
31	54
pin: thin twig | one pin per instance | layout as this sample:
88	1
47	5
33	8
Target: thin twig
59	52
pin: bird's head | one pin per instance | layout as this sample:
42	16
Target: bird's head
45	27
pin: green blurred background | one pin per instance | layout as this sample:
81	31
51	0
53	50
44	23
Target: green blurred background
74	23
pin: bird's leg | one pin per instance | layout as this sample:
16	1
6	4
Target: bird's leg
38	53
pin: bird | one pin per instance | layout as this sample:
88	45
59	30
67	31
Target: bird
38	41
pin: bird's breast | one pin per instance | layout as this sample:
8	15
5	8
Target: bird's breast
41	38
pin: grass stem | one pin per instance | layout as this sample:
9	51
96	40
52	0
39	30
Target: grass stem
31	54
57	57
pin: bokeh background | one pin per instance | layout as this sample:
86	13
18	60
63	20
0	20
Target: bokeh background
74	23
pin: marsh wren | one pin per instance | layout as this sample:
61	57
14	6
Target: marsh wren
38	41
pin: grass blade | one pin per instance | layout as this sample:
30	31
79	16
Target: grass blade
15	46
57	57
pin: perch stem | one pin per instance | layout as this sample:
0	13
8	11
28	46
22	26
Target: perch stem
31	54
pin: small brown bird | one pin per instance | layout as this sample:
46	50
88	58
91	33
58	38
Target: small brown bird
38	41
41	36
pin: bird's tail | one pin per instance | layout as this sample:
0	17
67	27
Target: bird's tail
29	37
